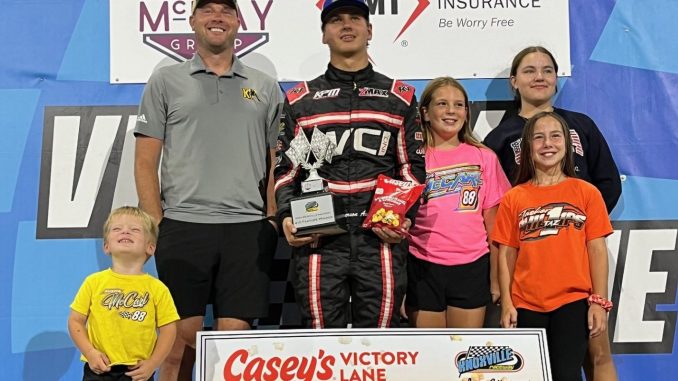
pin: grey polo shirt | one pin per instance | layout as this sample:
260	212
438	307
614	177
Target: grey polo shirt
216	132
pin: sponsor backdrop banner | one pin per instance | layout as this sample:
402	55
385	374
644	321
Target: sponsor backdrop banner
377	355
461	38
66	151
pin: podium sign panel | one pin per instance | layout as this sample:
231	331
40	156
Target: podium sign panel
374	355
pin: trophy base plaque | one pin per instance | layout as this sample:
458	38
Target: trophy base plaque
314	214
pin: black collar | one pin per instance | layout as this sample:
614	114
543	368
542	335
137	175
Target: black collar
334	74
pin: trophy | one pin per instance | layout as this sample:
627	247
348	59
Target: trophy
313	211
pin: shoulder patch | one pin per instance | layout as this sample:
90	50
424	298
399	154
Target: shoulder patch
297	92
403	91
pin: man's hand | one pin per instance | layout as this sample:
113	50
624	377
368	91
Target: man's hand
391	236
290	234
274	223
156	218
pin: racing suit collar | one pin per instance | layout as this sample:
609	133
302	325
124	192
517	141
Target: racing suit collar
334	74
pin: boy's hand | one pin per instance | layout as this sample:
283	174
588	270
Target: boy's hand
98	361
290	234
142	371
391	236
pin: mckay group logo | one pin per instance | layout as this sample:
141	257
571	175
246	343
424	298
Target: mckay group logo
382	7
164	26
488	359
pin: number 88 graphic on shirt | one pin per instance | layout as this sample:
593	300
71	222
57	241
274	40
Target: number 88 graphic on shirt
136	316
468	199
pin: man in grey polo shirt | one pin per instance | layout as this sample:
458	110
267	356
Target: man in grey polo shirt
215	121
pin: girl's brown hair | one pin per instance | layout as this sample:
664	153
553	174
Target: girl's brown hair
519	58
526	169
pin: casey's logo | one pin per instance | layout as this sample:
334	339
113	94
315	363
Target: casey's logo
239	366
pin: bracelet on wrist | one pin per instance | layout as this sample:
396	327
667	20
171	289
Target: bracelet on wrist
599	300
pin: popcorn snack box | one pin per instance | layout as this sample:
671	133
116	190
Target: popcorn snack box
392	199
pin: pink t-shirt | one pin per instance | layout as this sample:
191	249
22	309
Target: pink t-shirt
460	184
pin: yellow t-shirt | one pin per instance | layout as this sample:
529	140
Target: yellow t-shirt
123	313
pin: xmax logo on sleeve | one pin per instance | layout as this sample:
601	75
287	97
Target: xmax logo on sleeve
372	92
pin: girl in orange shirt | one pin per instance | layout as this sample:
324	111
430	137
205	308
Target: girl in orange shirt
551	231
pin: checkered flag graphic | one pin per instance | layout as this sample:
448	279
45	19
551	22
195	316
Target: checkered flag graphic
483	350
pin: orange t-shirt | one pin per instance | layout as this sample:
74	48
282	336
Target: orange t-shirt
550	226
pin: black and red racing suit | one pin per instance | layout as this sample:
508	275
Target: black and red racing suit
375	124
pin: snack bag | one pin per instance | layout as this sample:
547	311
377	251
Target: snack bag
392	199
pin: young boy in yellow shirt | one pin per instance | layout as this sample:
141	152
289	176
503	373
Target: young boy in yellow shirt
123	320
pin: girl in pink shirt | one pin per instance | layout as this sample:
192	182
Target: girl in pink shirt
451	267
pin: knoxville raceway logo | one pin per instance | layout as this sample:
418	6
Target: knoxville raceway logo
488	359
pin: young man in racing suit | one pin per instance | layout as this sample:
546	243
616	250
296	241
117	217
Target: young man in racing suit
375	124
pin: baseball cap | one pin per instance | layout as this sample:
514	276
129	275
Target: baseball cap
329	6
201	3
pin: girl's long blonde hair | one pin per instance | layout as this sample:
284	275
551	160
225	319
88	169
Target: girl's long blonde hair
465	134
